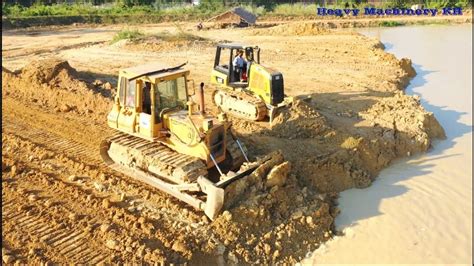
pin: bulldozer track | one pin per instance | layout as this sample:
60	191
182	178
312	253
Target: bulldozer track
160	156
73	246
259	105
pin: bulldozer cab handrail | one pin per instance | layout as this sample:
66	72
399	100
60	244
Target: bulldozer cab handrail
167	110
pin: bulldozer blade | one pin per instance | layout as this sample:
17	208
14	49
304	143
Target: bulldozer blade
215	197
104	152
273	111
216	192
224	183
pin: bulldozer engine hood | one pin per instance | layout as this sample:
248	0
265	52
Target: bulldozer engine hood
197	135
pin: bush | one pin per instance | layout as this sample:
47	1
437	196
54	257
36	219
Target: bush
127	34
258	11
295	10
136	35
163	10
74	10
390	23
11	10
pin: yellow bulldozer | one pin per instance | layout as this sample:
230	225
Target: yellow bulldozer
251	92
166	141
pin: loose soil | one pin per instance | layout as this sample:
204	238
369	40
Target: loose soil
350	119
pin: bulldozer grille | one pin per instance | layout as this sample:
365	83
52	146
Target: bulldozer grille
277	90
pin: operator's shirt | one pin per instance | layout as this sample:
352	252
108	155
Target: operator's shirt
238	62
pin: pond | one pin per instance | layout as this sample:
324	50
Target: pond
419	210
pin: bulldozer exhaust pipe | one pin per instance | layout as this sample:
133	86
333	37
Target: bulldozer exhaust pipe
201	98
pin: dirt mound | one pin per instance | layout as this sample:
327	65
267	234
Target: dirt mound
299	29
54	84
285	212
51	71
299	121
394	127
332	158
403	115
405	71
157	44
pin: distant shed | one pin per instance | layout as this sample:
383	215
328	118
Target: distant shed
236	16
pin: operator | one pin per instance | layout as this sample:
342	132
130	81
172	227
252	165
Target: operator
238	64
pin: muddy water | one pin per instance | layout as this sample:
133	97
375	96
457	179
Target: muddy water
419	209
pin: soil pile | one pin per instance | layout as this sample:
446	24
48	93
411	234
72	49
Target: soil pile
332	158
160	44
299	121
285	214
52	72
394	127
403	123
54	84
299	29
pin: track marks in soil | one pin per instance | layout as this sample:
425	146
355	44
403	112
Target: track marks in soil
76	205
52	141
53	157
8	54
69	245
